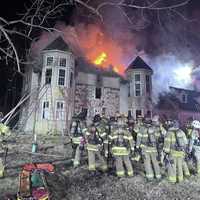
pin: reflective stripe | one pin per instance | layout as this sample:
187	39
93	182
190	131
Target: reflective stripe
166	150
76	140
120	173
104	167
130	173
139	135
92	167
91	147
113	137
105	141
149	175
120	151
158	176
180	178
76	163
177	153
151	150
103	134
172	179
145	135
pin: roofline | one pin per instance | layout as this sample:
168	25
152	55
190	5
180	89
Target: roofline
188	90
57	50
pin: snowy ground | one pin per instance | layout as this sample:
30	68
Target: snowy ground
78	184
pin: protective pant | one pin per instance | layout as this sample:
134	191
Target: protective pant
151	165
92	160
1	168
177	168
105	144
119	161
197	158
76	161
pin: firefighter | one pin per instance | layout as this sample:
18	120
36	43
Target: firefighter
189	129
94	145
146	140
122	145
194	144
175	144
4	133
137	128
160	133
102	126
78	139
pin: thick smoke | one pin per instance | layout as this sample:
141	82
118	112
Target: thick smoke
170	43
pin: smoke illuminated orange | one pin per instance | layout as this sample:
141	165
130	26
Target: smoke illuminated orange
101	50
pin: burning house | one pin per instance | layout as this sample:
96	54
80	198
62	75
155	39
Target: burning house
63	84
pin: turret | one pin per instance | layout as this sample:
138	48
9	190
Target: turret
139	76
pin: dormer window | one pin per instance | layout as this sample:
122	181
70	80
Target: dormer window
184	98
62	62
49	61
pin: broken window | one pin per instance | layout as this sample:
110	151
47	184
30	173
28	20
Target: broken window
98	93
61	77
148	84
137	85
60	112
48	76
49	61
63	62
45	110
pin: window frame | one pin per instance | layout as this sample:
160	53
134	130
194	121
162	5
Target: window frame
60	114
60	59
48	76
46	110
136	83
59	78
148	84
51	63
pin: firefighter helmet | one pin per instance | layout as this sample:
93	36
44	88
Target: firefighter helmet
196	124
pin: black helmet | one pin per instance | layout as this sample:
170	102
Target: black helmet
97	118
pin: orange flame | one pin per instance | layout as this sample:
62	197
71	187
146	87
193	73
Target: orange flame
100	59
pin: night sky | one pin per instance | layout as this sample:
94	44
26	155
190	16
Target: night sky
152	40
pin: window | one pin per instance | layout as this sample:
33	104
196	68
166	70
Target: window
60	112
71	79
138	113
45	110
61	77
49	61
98	93
63	62
148	83
184	98
48	76
137	85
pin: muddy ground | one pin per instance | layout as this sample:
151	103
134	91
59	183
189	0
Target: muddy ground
78	184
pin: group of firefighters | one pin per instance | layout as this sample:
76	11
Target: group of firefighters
117	142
